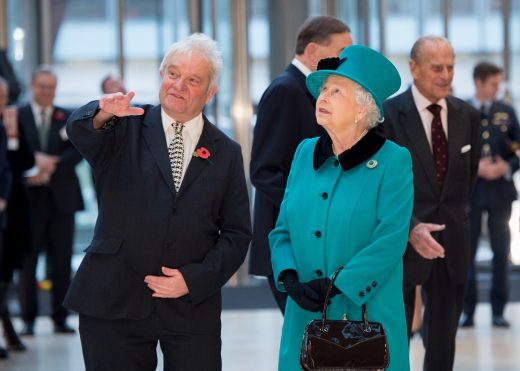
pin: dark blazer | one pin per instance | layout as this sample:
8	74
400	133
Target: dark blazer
500	129
5	177
285	117
64	184
143	224
17	236
448	206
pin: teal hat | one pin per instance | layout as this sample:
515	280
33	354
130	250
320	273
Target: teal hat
363	65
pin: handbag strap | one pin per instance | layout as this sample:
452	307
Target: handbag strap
326	303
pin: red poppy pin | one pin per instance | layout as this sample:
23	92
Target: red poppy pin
59	116
203	153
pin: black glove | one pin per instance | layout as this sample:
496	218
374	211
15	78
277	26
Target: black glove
321	285
301	293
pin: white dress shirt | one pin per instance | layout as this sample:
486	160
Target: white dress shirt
422	103
190	136
303	68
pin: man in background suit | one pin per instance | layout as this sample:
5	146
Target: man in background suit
173	222
285	117
438	253
17	233
5	187
112	84
54	197
494	191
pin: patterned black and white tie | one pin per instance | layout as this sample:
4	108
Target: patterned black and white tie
176	151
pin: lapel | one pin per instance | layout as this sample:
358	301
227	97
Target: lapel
300	79
417	138
155	139
456	137
26	118
56	123
209	139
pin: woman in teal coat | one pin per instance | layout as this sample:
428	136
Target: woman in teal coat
348	202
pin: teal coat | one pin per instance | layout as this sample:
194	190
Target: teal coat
362	210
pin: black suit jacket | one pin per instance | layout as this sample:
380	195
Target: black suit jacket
285	117
143	224
432	204
500	129
18	232
64	184
5	178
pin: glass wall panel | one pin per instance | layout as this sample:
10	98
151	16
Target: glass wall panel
217	23
258	44
149	28
85	49
22	45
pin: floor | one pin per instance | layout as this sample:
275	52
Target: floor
250	342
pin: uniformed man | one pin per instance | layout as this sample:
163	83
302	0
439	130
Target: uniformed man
494	191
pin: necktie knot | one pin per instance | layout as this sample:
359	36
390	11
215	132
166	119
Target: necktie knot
435	109
177	127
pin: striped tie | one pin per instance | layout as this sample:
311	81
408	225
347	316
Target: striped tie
176	151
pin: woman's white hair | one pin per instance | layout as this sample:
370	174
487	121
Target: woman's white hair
201	44
365	99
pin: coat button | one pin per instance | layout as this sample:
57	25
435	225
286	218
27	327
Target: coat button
374	283
317	234
361	294
324	195
336	163
319	272
368	288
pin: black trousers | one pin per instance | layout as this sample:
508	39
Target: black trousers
54	233
443	300
500	240
131	345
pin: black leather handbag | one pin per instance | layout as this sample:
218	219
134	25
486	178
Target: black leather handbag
343	344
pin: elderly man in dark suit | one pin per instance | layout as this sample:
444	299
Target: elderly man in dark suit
54	198
286	117
494	191
442	134
173	225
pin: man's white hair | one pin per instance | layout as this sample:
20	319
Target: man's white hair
201	44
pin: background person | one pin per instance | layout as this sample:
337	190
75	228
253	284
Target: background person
17	233
5	188
494	190
442	134
112	84
286	117
173	224
348	203
54	197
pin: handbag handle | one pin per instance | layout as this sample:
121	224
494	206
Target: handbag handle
326	304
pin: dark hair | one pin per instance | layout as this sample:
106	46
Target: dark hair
104	81
483	70
43	69
417	47
318	30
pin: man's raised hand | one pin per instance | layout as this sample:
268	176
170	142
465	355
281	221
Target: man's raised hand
118	104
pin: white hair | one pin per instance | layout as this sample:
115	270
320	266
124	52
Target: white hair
365	99
201	44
